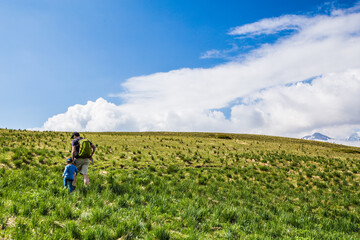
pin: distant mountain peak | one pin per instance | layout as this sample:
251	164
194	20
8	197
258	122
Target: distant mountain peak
354	137
317	136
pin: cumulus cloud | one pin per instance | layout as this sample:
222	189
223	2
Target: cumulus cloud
269	80
328	104
94	116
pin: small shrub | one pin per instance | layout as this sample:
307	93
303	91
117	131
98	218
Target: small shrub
18	163
14	209
98	215
128	229
119	189
161	234
172	169
96	233
230	215
224	136
72	228
202	180
5	161
2	171
152	169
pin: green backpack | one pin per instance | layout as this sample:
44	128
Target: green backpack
85	148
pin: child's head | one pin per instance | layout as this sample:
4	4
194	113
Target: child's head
69	161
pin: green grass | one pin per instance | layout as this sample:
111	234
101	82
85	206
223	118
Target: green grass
179	186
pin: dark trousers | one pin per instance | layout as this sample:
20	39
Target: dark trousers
69	182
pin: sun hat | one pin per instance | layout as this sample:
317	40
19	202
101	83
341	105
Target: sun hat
75	134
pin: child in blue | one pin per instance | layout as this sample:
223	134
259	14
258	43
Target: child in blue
69	172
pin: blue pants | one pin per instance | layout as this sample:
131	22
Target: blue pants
69	181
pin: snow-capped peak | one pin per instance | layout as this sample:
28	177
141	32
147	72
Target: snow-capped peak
317	136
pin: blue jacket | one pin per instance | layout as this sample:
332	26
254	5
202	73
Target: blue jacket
69	172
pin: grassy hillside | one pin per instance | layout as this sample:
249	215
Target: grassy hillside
179	186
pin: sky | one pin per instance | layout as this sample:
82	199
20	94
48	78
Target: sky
284	68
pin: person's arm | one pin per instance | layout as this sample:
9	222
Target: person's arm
66	169
92	151
73	151
76	171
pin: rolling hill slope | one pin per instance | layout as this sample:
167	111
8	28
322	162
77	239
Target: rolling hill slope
179	186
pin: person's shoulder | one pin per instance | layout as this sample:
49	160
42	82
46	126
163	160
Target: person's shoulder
75	141
91	143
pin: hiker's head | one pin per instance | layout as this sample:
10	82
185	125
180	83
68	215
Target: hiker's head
75	135
69	161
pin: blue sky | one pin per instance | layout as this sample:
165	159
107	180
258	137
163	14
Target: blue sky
56	54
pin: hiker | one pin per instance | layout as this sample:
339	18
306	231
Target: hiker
82	152
69	173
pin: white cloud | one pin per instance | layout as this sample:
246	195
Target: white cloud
94	116
271	25
224	54
329	105
182	100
